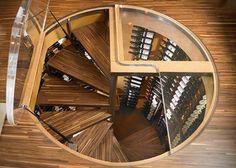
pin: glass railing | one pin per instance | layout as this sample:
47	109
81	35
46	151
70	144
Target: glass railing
185	83
26	30
186	98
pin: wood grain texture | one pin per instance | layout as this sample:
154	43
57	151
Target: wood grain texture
36	149
104	149
213	21
127	123
79	68
55	91
117	153
92	137
109	149
71	122
95	39
141	145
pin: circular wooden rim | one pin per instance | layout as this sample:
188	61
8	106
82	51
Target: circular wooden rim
196	133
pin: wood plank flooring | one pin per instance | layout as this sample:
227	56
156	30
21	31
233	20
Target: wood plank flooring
79	68
55	91
213	21
95	39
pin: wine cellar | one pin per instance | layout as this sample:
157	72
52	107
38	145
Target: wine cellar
117	85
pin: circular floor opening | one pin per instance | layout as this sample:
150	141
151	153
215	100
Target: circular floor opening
124	84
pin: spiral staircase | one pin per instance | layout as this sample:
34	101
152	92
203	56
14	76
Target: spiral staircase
109	111
74	99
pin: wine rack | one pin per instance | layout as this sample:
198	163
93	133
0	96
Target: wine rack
141	45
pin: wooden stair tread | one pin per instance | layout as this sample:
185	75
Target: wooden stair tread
142	145
95	39
55	91
72	49
71	122
117	153
109	149
79	68
104	149
91	138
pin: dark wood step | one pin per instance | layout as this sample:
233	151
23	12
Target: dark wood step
104	149
71	122
72	49
95	39
109	149
79	68
117	153
55	91
91	138
141	145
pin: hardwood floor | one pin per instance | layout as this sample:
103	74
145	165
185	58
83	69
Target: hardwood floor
213	21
